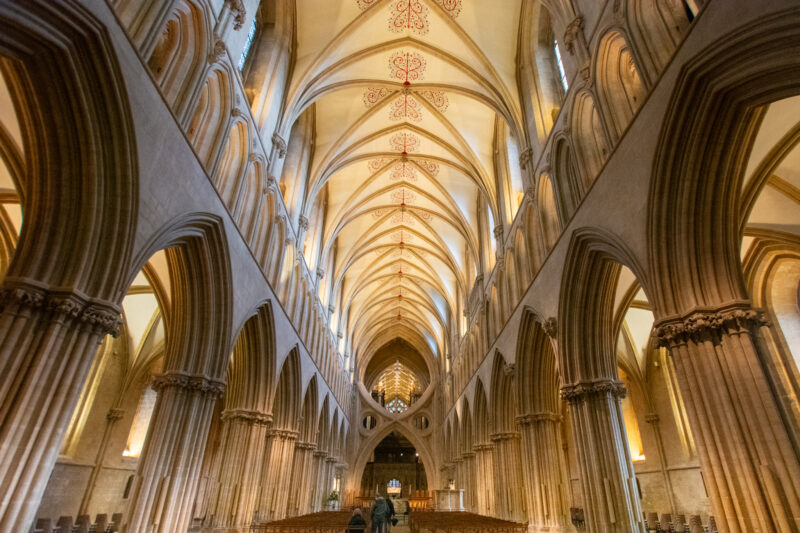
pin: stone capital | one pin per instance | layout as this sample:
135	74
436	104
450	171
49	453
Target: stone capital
239	13
217	52
550	327
573	32
247	416
279	144
192	383
504	435
651	418
302	223
709	324
115	413
583	390
525	157
99	316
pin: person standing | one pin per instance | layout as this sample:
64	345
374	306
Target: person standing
380	515
390	514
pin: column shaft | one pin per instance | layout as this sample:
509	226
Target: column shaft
47	344
749	465
169	469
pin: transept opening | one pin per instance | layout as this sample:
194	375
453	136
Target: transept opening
394	469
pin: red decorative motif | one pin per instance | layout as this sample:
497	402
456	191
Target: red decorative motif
406	66
405	107
430	167
365	4
376	164
423	215
402	237
404	142
438	99
451	7
409	15
403	172
378	213
373	95
404	197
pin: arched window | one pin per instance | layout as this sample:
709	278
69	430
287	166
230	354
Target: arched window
248	43
560	65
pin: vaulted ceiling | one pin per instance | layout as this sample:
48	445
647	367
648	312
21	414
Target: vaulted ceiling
410	99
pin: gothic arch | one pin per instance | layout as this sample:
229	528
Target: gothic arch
252	368
286	403
620	88
757	66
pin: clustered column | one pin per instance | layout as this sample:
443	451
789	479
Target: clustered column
544	471
244	437
484	479
48	341
276	471
749	465
608	481
300	498
169	470
508	478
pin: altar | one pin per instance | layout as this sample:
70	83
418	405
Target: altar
449	500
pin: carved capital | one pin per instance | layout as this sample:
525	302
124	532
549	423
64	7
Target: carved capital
217	52
115	413
550	327
99	316
279	144
504	435
320	273
583	390
191	383
331	308
543	416
255	418
651	418
526	157
709	325
239	13
302	223
498	232
572	33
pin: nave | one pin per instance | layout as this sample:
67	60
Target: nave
538	260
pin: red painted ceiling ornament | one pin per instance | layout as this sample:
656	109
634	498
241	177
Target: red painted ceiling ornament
431	167
376	164
404	142
437	99
451	7
411	15
406	66
365	4
405	108
373	95
403	171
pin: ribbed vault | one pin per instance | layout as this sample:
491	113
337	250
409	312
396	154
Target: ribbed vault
409	101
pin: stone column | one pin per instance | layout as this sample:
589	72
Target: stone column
169	469
508	476
315	493
749	465
112	416
276	468
470	500
611	499
484	479
304	451
48	340
244	436
544	472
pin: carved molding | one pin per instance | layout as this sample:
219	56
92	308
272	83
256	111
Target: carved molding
544	416
250	417
583	390
709	325
189	383
651	418
504	435
509	369
283	433
101	317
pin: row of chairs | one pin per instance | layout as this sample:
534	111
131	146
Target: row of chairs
678	524
83	524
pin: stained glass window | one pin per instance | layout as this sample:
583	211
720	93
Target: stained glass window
247	44
560	64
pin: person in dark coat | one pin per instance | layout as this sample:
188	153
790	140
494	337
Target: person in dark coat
390	516
357	523
380	515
